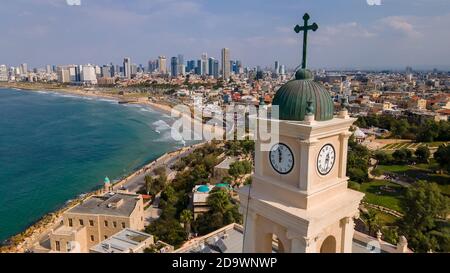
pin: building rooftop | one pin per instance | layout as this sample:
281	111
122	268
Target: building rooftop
229	239
125	241
201	193
225	240
116	204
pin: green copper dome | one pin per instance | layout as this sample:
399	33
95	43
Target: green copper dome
294	96
107	181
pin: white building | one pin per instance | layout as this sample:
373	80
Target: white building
88	74
125	241
63	74
162	64
3	73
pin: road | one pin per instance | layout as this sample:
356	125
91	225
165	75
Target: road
137	182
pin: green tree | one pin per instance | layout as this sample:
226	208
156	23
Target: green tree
383	158
357	162
402	156
149	184
372	221
424	205
168	230
222	212
239	168
442	156
428	132
186	218
423	154
399	128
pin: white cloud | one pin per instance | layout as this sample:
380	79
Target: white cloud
400	24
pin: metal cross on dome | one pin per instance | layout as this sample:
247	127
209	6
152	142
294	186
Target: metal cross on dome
305	29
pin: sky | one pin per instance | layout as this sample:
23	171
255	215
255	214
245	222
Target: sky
352	34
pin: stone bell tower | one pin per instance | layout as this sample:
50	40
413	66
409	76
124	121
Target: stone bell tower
299	201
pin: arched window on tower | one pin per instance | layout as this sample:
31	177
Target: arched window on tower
328	245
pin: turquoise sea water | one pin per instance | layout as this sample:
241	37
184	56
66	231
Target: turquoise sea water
54	147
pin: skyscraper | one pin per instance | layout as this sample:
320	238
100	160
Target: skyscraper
226	63
152	66
24	69
215	70
106	71
211	66
190	66
181	65
127	68
282	70
277	67
3	73
162	64
180	59
204	64
198	69
88	74
174	66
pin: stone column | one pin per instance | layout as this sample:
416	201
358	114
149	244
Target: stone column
306	167
297	242
348	229
343	140
302	244
250	233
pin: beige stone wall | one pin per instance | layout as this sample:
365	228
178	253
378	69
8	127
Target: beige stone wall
76	238
96	228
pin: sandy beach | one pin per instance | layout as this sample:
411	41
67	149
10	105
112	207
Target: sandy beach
25	240
208	129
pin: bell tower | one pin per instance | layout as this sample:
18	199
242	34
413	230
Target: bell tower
299	201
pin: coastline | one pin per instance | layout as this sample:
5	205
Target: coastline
95	93
34	232
21	242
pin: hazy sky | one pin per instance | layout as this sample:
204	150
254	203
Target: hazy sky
352	33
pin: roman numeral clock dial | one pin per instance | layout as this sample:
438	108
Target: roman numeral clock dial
326	159
281	158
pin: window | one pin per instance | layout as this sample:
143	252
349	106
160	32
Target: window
106	223
70	222
81	222
115	224
123	224
91	223
92	238
57	246
106	237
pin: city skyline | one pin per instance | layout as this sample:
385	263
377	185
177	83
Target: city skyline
388	36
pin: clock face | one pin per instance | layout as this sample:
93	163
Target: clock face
281	158
326	159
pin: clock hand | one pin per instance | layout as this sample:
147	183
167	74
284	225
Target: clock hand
279	155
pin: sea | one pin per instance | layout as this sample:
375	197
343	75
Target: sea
55	147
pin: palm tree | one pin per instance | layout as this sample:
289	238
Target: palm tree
186	218
371	220
148	183
219	201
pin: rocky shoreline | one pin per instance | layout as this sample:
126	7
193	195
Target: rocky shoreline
23	241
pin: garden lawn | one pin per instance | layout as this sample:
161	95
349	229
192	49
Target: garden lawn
378	196
426	172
